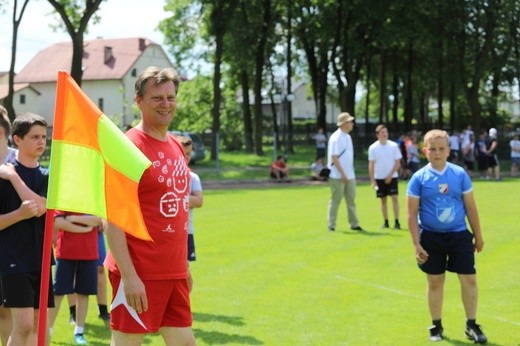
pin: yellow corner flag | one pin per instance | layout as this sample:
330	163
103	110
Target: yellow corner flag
94	168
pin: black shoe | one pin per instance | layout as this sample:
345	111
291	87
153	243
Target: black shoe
104	316
397	226
436	333
474	333
357	228
385	225
331	229
72	319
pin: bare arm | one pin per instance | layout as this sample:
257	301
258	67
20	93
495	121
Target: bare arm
389	177
335	160
473	219
88	220
412	207
371	166
196	199
135	292
67	224
8	172
27	210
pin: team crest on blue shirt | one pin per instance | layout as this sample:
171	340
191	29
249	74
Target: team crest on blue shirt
443	188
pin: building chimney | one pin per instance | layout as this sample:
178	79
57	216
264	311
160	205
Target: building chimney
142	44
108	54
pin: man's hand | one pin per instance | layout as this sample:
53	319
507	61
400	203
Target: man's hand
135	294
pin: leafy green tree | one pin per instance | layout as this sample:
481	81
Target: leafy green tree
211	18
76	15
315	23
17	18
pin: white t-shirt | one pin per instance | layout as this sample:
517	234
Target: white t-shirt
341	143
515	144
195	187
454	142
384	157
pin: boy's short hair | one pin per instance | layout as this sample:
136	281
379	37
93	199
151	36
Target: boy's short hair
23	123
5	123
434	134
185	141
380	127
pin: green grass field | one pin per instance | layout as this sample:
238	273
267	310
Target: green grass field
269	273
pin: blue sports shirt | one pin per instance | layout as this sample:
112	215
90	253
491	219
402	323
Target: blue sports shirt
441	205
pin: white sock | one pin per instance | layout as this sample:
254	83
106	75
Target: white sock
79	330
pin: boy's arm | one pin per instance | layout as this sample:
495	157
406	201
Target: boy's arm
88	220
371	173
27	210
66	224
473	219
412	207
396	167
196	199
8	172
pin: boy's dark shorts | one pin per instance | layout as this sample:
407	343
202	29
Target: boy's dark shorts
452	251
23	291
75	276
191	248
492	161
386	189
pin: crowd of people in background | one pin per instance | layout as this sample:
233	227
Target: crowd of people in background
476	153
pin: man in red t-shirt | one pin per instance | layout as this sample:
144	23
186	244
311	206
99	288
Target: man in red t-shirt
150	278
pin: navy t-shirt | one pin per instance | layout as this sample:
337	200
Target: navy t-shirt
21	244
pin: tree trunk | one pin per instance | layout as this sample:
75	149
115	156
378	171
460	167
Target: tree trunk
408	102
259	68
8	103
217	95
395	91
246	109
382	89
290	144
440	85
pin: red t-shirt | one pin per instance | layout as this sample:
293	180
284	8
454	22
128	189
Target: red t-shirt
76	246
164	199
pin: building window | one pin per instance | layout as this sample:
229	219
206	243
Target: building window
134	72
100	104
22	99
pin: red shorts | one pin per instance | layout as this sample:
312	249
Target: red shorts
168	306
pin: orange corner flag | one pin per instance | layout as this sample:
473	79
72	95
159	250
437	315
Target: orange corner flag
94	168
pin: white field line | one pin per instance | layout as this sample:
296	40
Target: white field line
388	289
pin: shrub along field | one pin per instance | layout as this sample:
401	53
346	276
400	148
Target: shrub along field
269	273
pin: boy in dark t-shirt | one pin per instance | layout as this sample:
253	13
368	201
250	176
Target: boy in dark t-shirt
23	190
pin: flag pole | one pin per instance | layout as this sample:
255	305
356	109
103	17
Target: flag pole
45	276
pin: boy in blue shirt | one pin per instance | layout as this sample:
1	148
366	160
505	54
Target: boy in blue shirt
439	198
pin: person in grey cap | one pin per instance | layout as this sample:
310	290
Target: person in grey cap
342	178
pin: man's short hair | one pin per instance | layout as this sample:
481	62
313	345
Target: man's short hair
23	123
159	76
